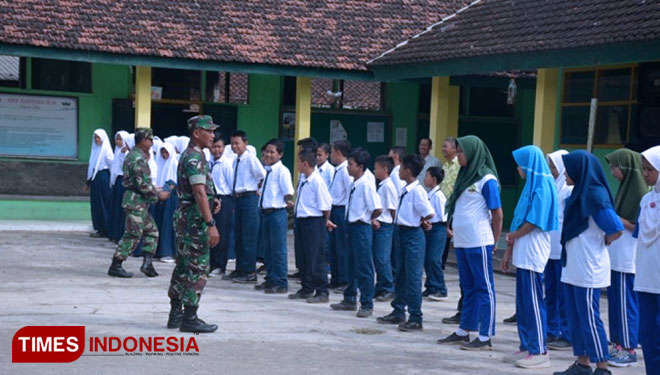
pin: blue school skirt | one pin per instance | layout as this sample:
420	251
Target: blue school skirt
99	193
163	212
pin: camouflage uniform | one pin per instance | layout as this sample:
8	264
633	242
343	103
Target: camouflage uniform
193	253
140	193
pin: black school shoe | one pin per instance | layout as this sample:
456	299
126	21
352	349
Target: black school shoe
276	290
511	320
295	275
385	297
411	326
319	298
344	306
455	339
231	275
300	295
391	319
477	344
455	319
576	369
263	286
248	278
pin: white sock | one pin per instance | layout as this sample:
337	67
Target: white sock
461	332
483	338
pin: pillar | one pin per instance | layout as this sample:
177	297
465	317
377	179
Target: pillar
444	113
303	117
545	108
142	96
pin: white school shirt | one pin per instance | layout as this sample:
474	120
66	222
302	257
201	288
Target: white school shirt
389	199
555	235
413	205
249	173
312	197
472	218
341	185
222	173
623	253
362	201
647	277
532	251
277	185
438	201
587	259
398	182
327	171
370	177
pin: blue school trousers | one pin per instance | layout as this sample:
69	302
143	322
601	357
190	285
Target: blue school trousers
649	330
557	322
360	265
274	225
587	332
530	311
382	243
623	310
338	244
308	239
409	261
246	232
99	201
475	274
436	239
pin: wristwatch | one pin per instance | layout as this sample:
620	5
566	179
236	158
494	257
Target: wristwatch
211	223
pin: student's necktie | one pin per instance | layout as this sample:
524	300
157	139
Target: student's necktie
295	210
396	217
350	198
233	188
263	189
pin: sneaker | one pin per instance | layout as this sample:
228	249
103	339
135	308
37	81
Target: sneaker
512	358
319	298
426	293
391	319
575	369
534	361
437	297
276	290
511	320
295	275
602	371
614	349
167	259
364	312
300	295
455	319
344	306
261	270
477	344
214	272
385	297
411	326
340	288
231	275
454	338
248	278
623	358
263	286
559	344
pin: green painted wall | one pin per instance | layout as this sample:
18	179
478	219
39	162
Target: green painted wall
260	117
402	101
44	210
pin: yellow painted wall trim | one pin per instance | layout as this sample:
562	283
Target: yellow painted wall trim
303	117
443	119
142	96
545	108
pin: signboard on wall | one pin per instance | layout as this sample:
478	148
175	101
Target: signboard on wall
38	126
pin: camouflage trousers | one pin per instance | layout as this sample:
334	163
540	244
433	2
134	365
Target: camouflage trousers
192	258
139	226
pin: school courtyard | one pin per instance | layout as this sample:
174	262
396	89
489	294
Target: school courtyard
55	274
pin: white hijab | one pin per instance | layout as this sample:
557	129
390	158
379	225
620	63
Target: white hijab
118	161
101	156
166	167
563	190
174	141
182	143
649	221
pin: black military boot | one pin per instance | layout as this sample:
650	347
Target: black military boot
148	267
117	270
191	323
176	314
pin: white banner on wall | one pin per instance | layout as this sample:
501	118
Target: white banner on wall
38	126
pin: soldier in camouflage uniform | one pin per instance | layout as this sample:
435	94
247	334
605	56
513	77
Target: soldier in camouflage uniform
195	229
140	193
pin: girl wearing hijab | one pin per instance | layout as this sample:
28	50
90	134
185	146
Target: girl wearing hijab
117	189
647	279
626	167
475	210
558	335
528	247
98	182
590	225
167	166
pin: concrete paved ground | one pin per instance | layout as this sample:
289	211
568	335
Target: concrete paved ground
59	278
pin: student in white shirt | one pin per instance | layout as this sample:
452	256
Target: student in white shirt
247	172
340	188
413	212
436	238
312	218
384	229
397	153
623	311
276	196
475	213
647	278
363	209
528	249
590	225
221	171
323	166
559	336
98	182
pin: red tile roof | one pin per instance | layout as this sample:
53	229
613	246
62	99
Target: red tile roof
332	34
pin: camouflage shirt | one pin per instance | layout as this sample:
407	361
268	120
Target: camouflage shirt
193	169
140	190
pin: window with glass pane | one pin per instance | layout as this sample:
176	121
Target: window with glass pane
61	75
177	84
579	86
611	125
614	85
362	95
216	87
574	125
489	101
10	71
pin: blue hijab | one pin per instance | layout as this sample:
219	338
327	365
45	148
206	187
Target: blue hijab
538	203
591	194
